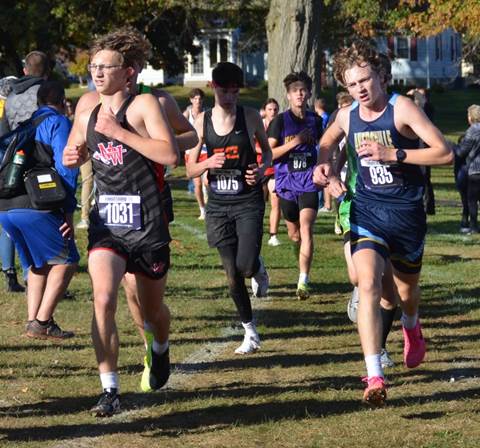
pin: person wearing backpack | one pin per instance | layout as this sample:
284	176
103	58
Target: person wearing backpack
44	238
19	106
7	248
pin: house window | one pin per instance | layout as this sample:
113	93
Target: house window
218	51
213	52
438	48
197	63
402	49
223	50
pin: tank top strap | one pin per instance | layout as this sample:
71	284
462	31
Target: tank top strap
123	108
240	122
93	117
207	119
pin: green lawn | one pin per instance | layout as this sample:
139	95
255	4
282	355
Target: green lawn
302	389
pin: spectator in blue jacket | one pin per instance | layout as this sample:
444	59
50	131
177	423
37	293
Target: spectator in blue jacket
44	239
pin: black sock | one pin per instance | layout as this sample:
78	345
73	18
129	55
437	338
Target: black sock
388	317
272	234
43	323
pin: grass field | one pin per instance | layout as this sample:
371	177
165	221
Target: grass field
302	389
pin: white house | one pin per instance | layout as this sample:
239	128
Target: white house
427	61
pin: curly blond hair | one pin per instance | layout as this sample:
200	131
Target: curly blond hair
359	53
129	42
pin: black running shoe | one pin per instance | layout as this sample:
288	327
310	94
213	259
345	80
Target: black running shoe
160	370
108	404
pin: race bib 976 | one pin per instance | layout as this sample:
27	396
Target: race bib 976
299	161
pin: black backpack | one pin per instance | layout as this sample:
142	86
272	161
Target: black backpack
36	176
22	139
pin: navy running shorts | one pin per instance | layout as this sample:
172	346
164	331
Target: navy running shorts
395	233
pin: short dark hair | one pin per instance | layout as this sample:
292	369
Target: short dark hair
37	64
51	92
269	101
298	77
227	74
196	92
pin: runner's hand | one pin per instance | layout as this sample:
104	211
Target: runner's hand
107	123
252	174
67	229
305	136
74	155
216	161
321	174
336	187
375	151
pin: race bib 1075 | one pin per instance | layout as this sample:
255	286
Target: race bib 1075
224	181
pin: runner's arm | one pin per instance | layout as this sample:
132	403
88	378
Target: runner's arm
158	146
437	151
75	152
185	133
333	136
194	167
261	137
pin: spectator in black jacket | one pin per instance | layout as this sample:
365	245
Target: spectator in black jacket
469	148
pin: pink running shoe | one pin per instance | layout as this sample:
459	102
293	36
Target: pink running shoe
375	393
414	346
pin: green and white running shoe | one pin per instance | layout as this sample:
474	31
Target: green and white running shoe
303	291
147	363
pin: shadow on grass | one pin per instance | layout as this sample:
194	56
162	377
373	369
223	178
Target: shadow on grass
199	419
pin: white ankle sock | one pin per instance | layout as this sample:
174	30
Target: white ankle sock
303	277
109	380
374	366
159	348
250	328
409	322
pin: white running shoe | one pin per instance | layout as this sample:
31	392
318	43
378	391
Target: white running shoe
385	359
353	305
260	281
274	241
202	215
250	344
323	210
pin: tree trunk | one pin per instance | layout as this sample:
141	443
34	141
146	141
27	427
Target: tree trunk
294	44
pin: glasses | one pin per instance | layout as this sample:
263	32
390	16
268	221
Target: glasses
102	67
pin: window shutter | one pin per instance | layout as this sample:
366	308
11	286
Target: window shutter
413	49
391	46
